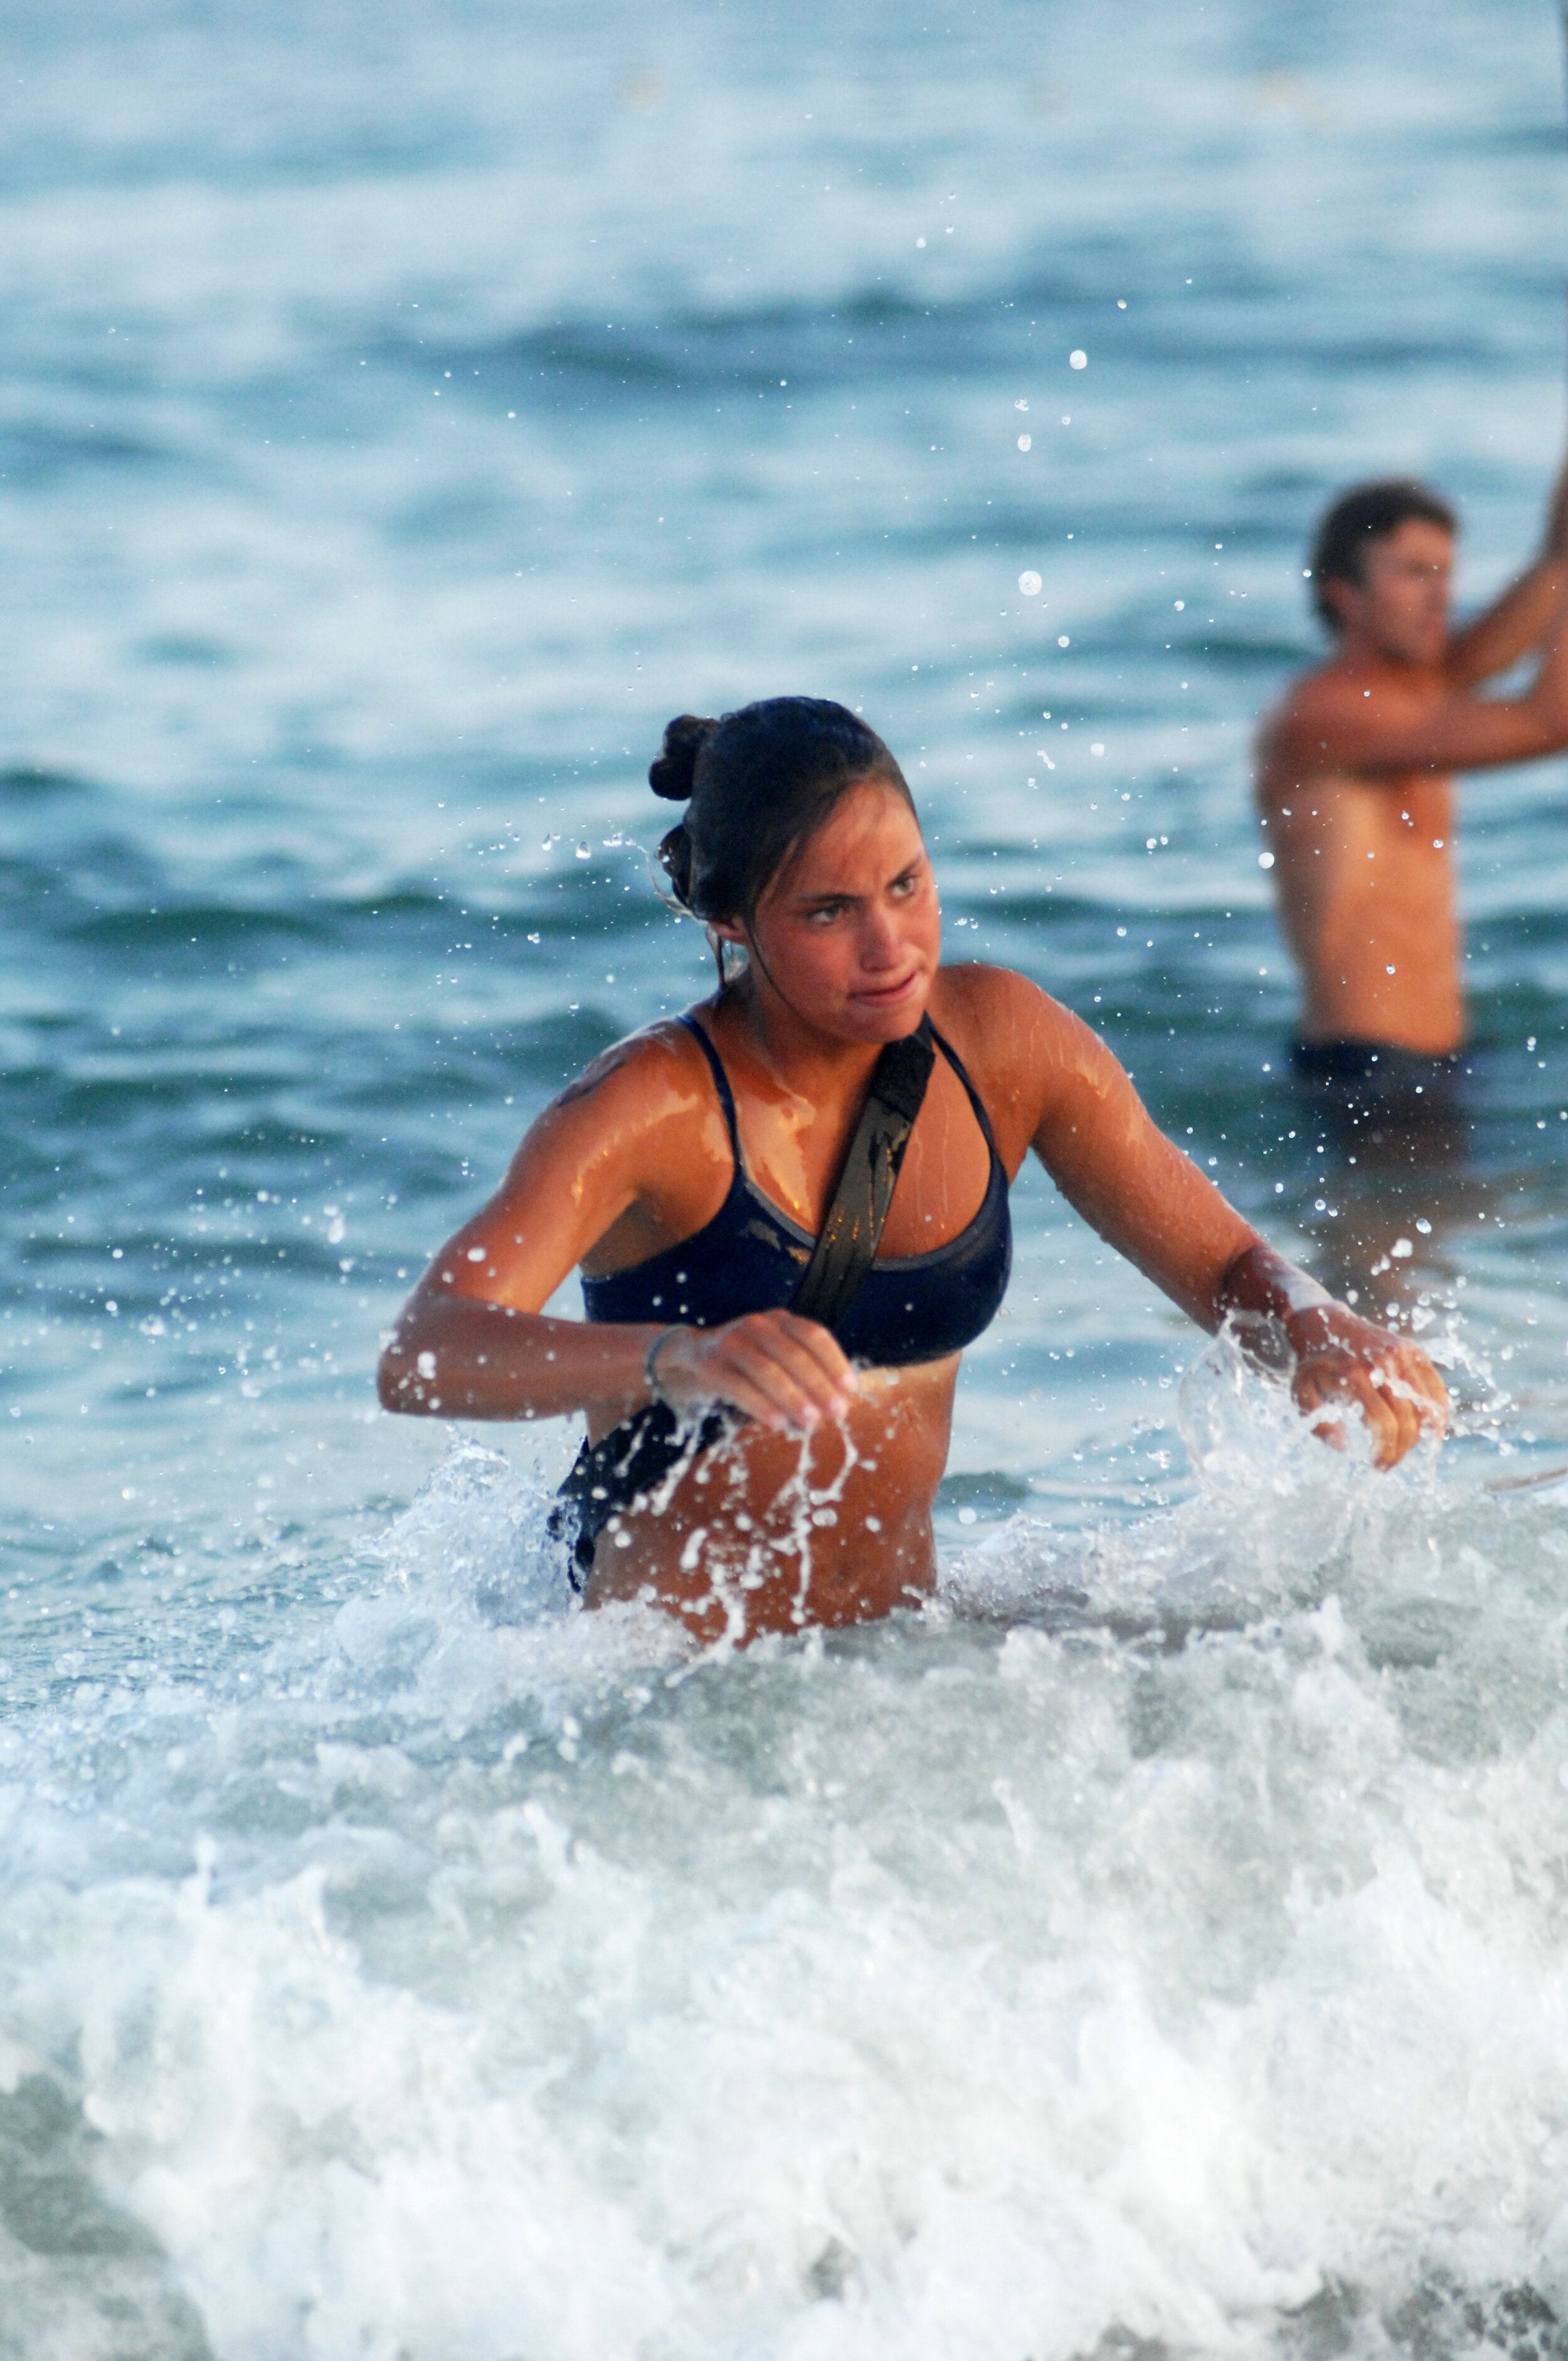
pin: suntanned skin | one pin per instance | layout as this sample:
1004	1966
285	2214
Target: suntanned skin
1356	779
635	1157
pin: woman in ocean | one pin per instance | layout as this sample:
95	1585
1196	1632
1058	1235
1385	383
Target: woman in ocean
790	1210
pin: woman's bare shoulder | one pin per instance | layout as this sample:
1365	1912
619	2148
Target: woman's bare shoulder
644	1066
994	1014
612	1133
1021	1047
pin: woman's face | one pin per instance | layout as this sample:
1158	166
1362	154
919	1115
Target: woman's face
849	932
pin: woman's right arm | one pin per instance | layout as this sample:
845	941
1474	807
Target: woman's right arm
456	1355
472	1342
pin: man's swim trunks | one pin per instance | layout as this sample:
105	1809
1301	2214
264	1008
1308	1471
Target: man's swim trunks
1379	1072
1393	1102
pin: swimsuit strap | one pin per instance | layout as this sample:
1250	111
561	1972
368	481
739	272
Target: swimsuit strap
720	1083
975	1100
727	1096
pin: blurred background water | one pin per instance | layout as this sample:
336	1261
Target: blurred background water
1157	1948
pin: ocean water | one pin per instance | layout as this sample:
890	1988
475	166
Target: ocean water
1156	1947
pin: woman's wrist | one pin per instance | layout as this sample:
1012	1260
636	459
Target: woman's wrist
652	1351
1260	1286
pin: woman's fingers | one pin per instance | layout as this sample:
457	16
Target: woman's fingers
1414	1366
1392	1383
782	1370
819	1343
796	1366
1414	1395
1399	1427
1338	1376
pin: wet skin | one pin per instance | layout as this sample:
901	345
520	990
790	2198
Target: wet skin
768	1530
1355	786
819	1510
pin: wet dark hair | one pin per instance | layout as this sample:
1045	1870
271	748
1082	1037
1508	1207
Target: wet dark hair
1367	513
757	785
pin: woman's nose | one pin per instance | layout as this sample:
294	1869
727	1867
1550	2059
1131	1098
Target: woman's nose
880	941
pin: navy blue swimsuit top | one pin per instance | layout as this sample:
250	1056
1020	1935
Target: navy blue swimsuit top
750	1256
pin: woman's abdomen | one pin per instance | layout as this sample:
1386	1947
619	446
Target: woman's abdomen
770	1532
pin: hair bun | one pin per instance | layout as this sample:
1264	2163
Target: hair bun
674	771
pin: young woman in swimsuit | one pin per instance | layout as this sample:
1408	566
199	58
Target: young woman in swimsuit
747	1468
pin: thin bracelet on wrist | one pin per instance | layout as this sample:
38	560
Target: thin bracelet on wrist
650	1359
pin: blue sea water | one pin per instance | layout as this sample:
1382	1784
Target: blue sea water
1156	1949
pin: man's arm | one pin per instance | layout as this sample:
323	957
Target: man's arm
1524	616
1335	722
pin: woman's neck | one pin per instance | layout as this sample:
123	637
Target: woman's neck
807	1061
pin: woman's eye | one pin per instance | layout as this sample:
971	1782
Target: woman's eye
825	914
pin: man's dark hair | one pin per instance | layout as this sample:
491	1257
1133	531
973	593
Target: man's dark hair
1367	513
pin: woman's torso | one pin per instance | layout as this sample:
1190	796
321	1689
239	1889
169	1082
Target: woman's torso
751	1253
838	1529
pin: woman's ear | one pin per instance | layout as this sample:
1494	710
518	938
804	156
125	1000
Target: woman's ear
730	947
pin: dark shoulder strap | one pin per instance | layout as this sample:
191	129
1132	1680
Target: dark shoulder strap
847	1242
963	1072
720	1081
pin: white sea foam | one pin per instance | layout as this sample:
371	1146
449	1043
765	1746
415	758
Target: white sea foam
1179	1957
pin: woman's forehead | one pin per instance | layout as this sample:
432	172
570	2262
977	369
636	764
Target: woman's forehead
871	831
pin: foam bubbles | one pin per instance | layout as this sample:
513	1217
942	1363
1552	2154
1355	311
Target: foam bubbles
1149	1896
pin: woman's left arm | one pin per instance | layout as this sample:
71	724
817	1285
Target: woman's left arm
1132	1184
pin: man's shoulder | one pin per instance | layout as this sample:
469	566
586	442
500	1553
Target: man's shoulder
1287	733
1324	715
1326	688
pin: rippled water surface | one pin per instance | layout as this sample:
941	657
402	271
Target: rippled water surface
1155	1950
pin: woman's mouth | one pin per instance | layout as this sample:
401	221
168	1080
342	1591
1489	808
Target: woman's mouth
886	995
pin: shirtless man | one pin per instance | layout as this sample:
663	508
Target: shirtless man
1356	786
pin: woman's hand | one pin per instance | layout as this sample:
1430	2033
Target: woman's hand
1338	1357
788	1374
1341	1358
